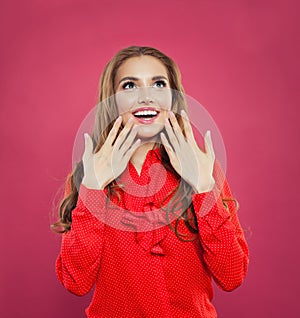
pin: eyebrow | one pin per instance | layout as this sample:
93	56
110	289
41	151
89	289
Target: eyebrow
131	78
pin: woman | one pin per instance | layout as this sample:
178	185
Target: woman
149	251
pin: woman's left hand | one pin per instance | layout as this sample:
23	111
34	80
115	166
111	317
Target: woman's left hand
189	161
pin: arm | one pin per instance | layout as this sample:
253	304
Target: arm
225	249
78	263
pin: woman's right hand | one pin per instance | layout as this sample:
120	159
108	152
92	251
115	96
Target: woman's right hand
110	161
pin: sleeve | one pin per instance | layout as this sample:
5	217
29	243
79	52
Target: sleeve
79	260
225	250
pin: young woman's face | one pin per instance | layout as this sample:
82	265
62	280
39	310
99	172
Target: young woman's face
143	92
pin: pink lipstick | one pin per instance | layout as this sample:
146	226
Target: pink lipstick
145	115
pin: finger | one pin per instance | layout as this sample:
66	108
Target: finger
88	146
173	139
114	131
129	140
120	139
187	128
208	144
176	127
167	145
131	150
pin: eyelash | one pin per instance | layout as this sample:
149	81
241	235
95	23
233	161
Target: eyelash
126	83
161	82
164	84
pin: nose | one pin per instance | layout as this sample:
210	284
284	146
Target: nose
145	96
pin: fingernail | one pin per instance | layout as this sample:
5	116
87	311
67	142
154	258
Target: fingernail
171	114
183	113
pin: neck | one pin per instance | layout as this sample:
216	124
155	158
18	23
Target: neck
140	154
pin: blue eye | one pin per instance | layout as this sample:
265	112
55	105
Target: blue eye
160	84
128	85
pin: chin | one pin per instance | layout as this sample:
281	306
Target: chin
148	132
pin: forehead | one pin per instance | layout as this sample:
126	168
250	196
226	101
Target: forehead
142	66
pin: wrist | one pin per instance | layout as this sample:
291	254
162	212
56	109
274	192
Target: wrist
92	184
205	187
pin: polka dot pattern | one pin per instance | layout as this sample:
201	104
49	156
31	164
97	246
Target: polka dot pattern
153	274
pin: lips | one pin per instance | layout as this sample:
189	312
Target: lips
146	114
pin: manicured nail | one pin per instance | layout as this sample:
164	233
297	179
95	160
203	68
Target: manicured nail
183	113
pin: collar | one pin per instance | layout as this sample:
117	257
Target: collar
149	240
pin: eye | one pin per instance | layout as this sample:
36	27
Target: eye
160	84
128	85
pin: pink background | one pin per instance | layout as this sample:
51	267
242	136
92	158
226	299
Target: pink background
238	58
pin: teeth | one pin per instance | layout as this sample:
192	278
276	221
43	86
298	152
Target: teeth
146	113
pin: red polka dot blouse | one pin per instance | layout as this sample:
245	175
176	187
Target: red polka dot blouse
139	267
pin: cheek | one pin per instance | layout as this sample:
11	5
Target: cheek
164	100
125	101
164	114
125	118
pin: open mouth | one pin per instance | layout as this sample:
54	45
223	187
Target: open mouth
146	114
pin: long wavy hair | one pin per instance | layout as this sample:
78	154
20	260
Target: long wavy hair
106	114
